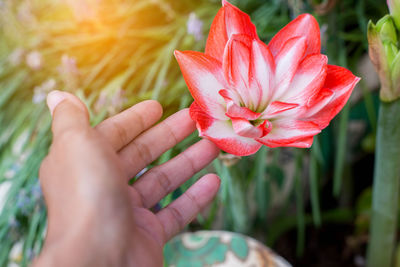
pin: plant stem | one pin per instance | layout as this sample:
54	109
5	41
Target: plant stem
262	185
386	186
301	226
340	158
238	203
314	189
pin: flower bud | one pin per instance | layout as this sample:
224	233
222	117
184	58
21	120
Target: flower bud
387	30
384	54
394	8
390	51
395	73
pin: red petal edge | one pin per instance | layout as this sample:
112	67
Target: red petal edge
229	141
304	25
341	82
229	20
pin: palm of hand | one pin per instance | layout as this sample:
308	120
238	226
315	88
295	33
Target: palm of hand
93	166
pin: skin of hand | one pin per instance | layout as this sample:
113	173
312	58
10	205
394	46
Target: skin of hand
94	217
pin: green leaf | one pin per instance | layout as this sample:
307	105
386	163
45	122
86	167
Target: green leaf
276	174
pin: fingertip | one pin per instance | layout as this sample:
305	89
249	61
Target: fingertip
185	114
54	98
155	107
211	182
68	112
215	178
181	120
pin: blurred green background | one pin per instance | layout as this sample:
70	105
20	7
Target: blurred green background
309	205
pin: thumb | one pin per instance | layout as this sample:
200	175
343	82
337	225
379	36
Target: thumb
68	112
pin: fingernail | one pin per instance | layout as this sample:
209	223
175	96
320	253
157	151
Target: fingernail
53	99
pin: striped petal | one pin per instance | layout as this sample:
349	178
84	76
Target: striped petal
308	80
204	78
288	132
303	143
262	73
341	83
202	119
276	108
304	25
318	102
236	111
228	21
236	66
244	128
222	134
287	62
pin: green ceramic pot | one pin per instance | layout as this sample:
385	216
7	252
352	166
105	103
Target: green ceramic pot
219	249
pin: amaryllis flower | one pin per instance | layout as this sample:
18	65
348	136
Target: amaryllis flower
248	94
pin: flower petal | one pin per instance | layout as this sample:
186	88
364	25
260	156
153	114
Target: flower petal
204	77
276	108
236	66
287	62
318	102
234	110
202	119
244	128
341	82
222	134
303	143
262	72
304	25
308	80
228	21
289	132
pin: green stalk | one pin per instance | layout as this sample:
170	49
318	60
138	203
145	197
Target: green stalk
262	185
341	150
314	189
238	203
301	226
385	193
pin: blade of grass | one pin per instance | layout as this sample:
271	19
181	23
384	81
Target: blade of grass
28	244
168	56
369	105
301	227
262	185
314	189
340	157
9	89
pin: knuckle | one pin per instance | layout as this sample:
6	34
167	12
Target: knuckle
143	152
163	181
177	217
121	132
189	162
193	201
171	133
139	120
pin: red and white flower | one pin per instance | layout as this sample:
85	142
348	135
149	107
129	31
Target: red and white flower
248	94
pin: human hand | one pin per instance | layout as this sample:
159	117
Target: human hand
94	217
